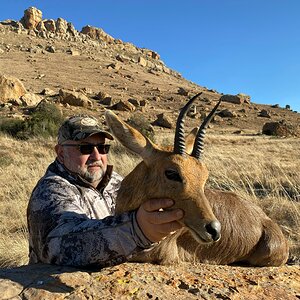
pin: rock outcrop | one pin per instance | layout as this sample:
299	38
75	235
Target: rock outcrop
97	34
11	88
32	17
146	281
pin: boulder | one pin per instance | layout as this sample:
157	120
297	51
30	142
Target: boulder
123	105
281	128
50	25
226	113
115	66
134	101
236	99
61	25
32	17
104	98
183	92
74	98
142	61
163	121
11	88
30	99
264	114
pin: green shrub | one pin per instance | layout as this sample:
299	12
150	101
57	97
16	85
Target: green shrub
44	122
12	126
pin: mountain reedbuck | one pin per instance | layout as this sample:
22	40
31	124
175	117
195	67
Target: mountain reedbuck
218	227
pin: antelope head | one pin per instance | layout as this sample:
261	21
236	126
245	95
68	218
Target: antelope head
179	174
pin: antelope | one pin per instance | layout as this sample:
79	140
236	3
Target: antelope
218	227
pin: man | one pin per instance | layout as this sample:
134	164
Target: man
70	214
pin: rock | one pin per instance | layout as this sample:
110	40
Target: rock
183	92
50	25
135	102
122	58
32	17
50	49
236	99
11	88
123	105
275	106
30	99
61	26
281	128
74	98
142	61
73	52
226	113
48	92
105	99
164	121
192	113
264	114
216	118
147	281
115	66
71	30
143	103
97	34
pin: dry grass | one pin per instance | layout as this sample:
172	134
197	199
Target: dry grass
264	170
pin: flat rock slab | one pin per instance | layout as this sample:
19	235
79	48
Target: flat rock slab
147	281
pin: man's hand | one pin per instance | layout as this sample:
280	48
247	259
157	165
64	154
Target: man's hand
156	223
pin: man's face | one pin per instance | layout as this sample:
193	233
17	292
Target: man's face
91	167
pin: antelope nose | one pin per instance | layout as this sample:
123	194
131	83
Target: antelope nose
214	229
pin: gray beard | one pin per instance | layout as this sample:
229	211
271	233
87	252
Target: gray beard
92	177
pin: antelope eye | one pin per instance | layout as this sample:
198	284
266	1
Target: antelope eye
173	175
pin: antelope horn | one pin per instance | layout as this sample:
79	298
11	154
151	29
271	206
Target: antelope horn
179	140
199	140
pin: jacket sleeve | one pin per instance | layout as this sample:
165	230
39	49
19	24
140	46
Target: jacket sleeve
61	233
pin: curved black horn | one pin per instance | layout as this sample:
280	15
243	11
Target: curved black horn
179	140
199	141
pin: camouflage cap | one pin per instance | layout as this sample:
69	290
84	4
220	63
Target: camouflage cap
80	127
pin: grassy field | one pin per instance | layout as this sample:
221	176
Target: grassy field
262	169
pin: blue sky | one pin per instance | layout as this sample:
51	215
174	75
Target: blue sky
232	46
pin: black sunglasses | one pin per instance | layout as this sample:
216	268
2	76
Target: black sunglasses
89	148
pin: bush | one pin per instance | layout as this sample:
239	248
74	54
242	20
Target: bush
43	122
139	122
11	126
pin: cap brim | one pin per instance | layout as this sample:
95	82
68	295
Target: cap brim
86	134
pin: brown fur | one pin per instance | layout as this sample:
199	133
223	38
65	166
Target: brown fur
248	235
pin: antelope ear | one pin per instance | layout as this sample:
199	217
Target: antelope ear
190	140
129	137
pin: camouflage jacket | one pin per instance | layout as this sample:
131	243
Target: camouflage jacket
71	223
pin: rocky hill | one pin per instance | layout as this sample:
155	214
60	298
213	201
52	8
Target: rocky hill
92	70
89	71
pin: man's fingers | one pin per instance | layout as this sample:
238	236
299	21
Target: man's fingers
162	217
156	204
155	223
167	228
